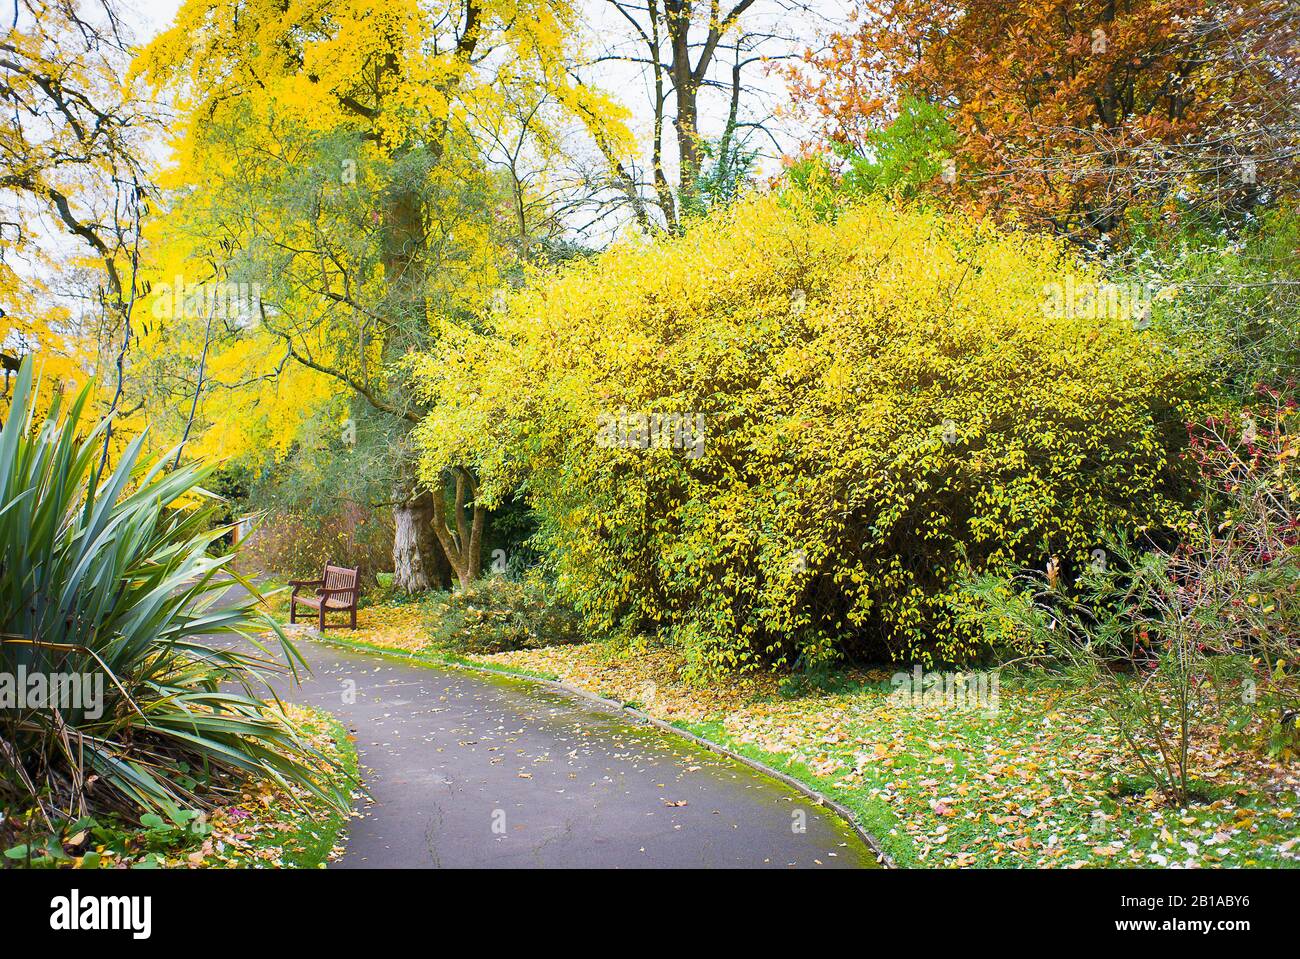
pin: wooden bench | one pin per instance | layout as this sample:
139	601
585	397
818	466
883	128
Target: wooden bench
336	592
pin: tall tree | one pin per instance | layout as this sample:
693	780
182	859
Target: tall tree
332	153
698	62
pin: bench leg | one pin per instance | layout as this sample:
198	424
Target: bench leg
322	617
293	610
354	617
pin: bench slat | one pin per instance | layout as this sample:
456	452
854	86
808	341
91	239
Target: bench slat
314	602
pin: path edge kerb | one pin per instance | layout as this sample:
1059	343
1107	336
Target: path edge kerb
844	812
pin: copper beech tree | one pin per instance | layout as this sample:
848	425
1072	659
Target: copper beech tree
1070	111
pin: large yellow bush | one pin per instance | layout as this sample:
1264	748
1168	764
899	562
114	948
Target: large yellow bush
885	400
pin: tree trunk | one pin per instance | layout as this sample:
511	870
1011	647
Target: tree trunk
463	545
418	560
686	82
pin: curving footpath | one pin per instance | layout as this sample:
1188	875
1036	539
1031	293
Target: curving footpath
472	770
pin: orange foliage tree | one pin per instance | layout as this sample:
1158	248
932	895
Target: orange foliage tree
1071	111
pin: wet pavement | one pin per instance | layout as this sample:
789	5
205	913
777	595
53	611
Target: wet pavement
472	770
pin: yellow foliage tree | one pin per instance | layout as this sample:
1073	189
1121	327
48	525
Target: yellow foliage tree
329	168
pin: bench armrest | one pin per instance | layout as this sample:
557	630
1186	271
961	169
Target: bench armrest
298	584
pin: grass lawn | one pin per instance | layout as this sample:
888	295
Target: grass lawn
1040	781
269	826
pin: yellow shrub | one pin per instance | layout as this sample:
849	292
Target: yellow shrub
884	399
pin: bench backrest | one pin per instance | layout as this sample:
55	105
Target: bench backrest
342	578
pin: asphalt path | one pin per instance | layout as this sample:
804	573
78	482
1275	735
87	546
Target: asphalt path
472	770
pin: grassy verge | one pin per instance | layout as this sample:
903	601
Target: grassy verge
269	826
1038	781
